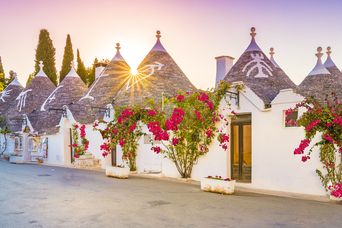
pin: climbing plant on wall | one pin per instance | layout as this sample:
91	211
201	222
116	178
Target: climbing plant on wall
80	143
324	121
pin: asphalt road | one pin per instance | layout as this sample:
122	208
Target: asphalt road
42	196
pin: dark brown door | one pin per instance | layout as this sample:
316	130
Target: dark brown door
241	152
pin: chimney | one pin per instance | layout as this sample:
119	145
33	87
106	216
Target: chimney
99	67
223	66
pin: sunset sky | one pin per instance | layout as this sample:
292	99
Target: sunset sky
193	31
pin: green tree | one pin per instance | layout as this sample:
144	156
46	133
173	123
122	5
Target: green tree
46	52
30	77
81	69
2	77
91	72
68	57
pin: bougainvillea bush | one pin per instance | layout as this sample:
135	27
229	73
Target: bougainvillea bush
182	129
324	120
187	127
80	146
125	131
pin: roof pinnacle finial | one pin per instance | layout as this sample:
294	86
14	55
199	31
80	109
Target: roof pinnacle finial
41	65
118	46
272	52
158	34
328	51
319	53
253	33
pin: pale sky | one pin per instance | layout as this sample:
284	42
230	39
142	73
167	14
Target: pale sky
193	31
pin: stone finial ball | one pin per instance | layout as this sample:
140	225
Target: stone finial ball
319	49
272	49
329	48
253	29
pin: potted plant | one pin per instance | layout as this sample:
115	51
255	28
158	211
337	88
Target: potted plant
218	184
119	171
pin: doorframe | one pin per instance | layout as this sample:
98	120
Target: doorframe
241	119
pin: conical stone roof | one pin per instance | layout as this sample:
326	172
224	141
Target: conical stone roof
158	74
9	94
103	90
32	97
69	91
320	82
330	65
263	76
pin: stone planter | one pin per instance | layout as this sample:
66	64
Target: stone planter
86	161
333	198
117	172
217	185
16	159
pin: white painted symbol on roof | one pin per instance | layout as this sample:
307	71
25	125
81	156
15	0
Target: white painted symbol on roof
260	65
150	68
50	98
22	99
4	94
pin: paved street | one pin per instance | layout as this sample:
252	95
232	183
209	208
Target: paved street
42	196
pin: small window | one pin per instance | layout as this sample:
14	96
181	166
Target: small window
291	118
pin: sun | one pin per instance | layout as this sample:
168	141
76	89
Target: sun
134	71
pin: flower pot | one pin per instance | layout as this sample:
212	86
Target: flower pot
117	172
218	185
335	198
16	159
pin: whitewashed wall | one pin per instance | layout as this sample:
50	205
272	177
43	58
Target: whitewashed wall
274	166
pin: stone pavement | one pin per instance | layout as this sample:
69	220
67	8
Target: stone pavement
43	196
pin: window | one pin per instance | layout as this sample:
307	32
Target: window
291	117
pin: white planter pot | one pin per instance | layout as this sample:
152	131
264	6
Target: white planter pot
335	198
117	172
219	186
16	159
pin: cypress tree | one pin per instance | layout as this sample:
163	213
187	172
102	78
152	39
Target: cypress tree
30	77
46	52
91	72
68	57
81	69
2	77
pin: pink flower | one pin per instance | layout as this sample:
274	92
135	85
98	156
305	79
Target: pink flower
132	128
340	150
76	126
121	142
120	119
115	131
328	138
233	112
203	97
209	133
76	155
104	154
313	124
156	149
305	158
127	113
198	115
175	141
151	113
338	120
302	146
105	147
180	98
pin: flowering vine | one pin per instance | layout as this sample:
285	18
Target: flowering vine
186	128
182	131
80	147
325	119
125	131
